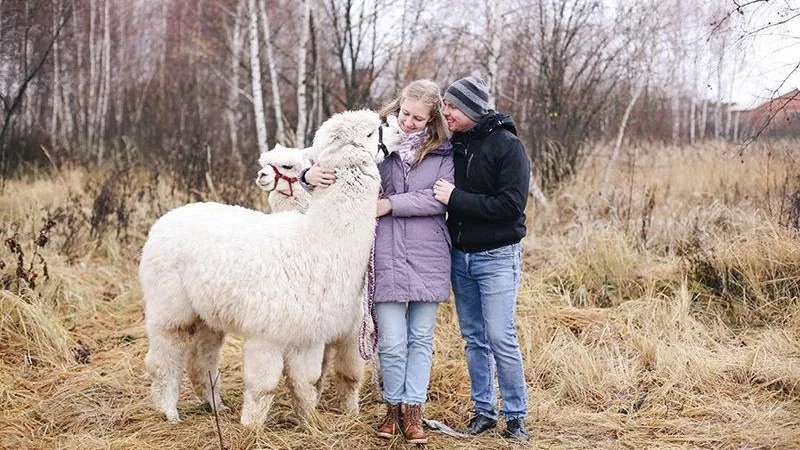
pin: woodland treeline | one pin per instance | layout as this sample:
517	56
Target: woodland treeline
171	80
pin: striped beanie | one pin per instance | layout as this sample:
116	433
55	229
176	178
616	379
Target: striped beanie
470	96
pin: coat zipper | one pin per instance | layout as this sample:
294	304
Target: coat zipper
466	175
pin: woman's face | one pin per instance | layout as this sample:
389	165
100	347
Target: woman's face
413	115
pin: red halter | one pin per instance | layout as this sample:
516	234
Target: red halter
290	180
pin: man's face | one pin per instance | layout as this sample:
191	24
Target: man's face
457	121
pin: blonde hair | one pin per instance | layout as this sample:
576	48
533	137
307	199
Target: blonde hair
427	92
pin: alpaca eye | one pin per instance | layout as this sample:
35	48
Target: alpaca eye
370	135
286	167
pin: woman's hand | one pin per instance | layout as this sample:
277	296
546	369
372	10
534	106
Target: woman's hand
384	207
320	176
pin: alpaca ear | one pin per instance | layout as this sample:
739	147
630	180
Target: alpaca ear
392	121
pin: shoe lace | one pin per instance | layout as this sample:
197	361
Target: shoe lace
392	413
414	414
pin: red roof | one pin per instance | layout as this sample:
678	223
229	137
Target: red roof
780	115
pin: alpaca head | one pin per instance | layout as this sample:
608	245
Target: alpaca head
362	129
280	168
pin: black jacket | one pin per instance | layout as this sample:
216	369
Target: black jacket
492	172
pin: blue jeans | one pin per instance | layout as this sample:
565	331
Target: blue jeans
485	285
405	349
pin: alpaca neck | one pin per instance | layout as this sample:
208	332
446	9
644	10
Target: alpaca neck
298	201
345	211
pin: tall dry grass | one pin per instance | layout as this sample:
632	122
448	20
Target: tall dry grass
659	311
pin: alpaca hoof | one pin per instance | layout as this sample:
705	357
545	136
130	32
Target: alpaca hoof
251	422
349	406
172	417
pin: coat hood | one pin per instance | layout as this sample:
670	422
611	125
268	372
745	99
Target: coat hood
491	122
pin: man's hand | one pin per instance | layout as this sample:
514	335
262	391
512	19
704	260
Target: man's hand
442	190
320	176
384	207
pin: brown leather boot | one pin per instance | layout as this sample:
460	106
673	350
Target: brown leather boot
412	424
388	427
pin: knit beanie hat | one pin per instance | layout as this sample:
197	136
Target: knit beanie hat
470	96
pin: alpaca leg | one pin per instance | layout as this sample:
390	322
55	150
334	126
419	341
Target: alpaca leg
203	365
349	368
327	360
305	370
164	364
263	366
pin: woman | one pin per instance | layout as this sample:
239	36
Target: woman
412	254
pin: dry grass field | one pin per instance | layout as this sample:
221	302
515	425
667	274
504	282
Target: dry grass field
659	312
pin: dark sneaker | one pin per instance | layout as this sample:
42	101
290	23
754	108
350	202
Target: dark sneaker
515	429
480	424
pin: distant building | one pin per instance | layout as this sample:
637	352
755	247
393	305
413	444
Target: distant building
779	117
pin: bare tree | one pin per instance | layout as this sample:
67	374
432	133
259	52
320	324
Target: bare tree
493	42
255	78
573	56
280	134
36	49
106	82
232	113
355	40
302	79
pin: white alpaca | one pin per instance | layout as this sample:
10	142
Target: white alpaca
288	283
280	171
279	175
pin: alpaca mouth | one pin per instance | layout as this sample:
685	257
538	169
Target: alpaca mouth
265	182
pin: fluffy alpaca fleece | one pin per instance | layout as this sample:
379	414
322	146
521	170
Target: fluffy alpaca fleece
287	283
283	194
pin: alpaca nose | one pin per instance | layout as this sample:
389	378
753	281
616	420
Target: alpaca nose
263	180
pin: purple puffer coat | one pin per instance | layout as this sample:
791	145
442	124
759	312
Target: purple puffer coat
412	245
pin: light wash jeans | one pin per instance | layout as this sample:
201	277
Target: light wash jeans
485	285
405	349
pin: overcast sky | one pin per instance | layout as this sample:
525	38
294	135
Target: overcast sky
773	57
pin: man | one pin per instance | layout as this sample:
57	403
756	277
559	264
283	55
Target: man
486	221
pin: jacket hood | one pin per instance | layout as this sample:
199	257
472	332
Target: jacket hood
490	122
444	149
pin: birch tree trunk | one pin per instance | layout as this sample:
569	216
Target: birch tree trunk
27	104
494	27
106	86
620	135
122	49
675	107
233	94
162	69
317	101
679	53
536	192
703	118
302	80
54	134
199	99
692	120
280	134
92	104
718	110
255	77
